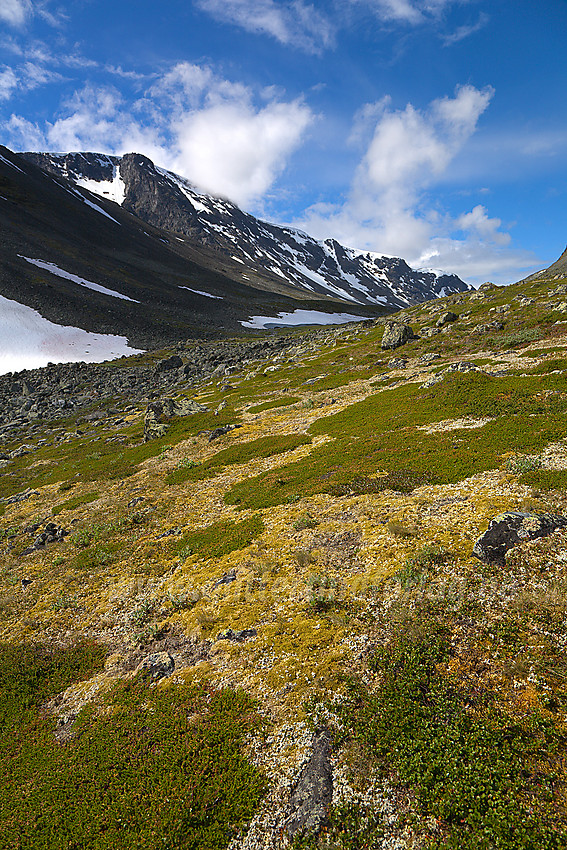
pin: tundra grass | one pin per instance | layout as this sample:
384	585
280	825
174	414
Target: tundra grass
75	502
95	460
239	453
151	767
275	403
379	436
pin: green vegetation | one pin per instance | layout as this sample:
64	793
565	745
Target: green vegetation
220	538
96	460
151	768
380	436
239	453
475	770
75	502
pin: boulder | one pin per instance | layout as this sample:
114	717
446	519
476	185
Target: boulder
511	528
395	335
159	414
174	362
156	666
446	318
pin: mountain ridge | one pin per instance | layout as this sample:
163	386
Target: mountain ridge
172	203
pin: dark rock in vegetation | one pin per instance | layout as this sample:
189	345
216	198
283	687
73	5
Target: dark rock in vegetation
239	636
225	579
156	666
159	414
307	810
52	533
509	529
396	334
220	432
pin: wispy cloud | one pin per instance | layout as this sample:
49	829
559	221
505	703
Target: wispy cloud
466	30
16	12
294	24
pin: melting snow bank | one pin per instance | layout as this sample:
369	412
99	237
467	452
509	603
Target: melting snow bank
301	317
96	287
28	341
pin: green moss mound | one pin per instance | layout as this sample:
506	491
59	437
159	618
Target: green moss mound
75	502
154	768
382	436
239	453
220	538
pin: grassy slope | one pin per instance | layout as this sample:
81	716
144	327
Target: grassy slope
347	506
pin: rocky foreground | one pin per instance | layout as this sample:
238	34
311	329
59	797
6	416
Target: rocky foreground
304	591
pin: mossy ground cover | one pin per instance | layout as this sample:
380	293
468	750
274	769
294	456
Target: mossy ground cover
96	459
220	538
322	581
275	403
149	767
239	453
474	769
381	435
75	502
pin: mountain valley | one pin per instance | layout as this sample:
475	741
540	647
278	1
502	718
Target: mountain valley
306	589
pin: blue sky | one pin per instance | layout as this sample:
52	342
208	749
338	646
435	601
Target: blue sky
435	130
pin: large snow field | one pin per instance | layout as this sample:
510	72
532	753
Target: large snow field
28	341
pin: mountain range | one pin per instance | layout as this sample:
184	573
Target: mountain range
116	246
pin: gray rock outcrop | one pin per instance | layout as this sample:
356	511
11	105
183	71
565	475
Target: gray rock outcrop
511	528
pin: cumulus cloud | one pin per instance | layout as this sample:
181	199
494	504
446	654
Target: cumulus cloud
211	130
296	24
388	209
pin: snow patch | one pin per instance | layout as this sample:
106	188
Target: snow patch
301	317
28	341
199	292
96	287
114	190
7	161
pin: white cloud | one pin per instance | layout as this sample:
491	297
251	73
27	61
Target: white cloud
238	151
387	209
413	12
8	83
295	24
191	121
466	30
15	12
477	221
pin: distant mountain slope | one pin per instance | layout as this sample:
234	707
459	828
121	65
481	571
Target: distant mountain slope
558	269
278	254
81	261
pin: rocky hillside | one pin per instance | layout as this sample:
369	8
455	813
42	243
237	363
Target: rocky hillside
169	202
308	592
